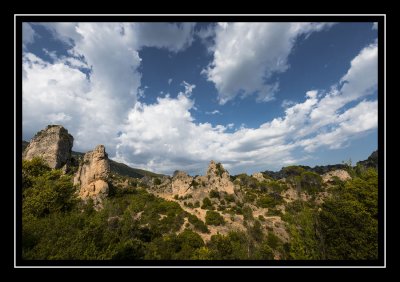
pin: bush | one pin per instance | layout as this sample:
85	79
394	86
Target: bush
197	204
247	213
157	181
269	201
194	184
207	205
311	182
274	212
214	194
230	198
214	218
198	224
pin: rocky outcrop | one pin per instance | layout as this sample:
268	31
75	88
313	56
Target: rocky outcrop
339	173
218	178
258	176
53	144
92	176
181	183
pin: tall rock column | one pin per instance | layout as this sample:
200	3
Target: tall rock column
92	176
218	178
53	144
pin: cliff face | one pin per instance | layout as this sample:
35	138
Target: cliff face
92	176
53	144
181	183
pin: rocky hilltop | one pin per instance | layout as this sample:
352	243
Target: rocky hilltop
216	178
92	176
53	144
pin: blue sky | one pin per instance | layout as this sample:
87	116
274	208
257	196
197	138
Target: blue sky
167	96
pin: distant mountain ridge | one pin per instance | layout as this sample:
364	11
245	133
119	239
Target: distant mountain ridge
372	161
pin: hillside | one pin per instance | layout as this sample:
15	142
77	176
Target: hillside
103	210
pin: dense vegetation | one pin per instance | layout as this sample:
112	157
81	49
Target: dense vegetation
135	224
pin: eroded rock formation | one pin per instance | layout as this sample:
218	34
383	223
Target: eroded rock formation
92	176
218	178
53	144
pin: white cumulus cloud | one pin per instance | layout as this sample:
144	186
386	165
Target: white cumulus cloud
94	92
164	136
246	55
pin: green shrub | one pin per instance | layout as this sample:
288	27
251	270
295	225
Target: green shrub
311	182
230	198
274	212
214	218
207	205
194	184
157	181
198	224
247	213
214	194
269	200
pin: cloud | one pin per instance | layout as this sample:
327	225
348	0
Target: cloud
28	34
164	136
375	26
52	93
95	95
172	36
287	103
169	81
92	90
215	112
246	55
96	104
188	89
